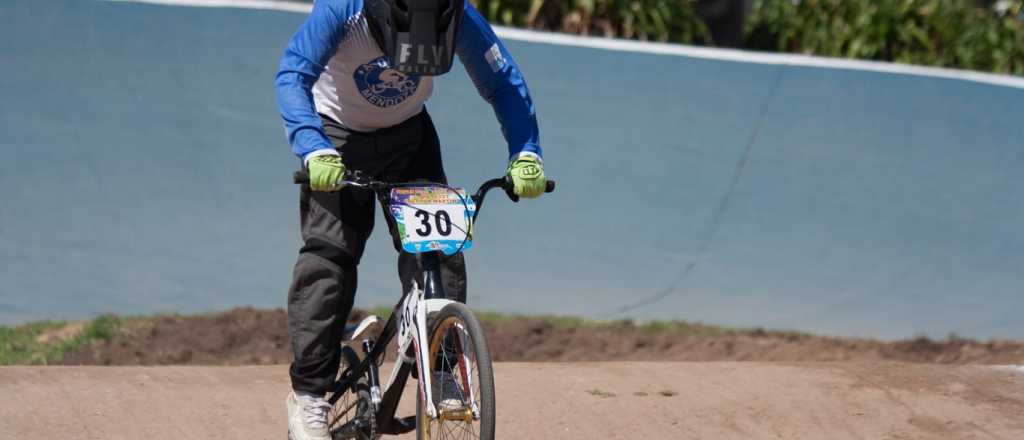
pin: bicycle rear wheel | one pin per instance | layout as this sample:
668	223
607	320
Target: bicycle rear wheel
352	416
458	347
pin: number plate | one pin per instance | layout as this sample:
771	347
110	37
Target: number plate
432	218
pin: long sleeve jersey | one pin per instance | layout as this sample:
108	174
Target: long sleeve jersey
332	66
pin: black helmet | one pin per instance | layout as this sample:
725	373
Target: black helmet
417	36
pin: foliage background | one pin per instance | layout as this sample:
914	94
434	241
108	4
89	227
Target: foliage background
976	35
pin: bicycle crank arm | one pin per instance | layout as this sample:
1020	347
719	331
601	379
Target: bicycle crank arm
397	426
349	431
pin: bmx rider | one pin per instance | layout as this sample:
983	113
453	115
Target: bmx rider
351	88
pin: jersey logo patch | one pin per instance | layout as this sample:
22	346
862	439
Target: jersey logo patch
494	58
383	86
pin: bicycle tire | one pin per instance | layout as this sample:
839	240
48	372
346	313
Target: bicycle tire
480	371
359	397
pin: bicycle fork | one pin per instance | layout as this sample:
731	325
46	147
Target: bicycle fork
452	350
413	315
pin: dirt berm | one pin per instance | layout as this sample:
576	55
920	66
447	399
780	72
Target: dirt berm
247	336
611	400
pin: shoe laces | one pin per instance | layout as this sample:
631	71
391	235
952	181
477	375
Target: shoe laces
314	411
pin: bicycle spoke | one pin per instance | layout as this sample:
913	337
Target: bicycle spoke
340	414
465	428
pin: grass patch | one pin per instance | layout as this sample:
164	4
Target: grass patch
558	321
683	327
46	342
20	345
563	322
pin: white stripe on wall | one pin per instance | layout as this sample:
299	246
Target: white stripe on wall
708	53
272	5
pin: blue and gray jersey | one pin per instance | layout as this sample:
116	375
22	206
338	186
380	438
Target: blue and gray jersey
333	66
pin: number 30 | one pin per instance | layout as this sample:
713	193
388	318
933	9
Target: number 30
441	219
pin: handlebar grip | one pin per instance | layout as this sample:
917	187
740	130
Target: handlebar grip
507	185
300	177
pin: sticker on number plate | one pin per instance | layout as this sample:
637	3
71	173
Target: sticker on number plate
433	218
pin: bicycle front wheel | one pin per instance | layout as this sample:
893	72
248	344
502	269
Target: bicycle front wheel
461	377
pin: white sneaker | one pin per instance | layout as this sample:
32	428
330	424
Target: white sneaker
446	391
307	417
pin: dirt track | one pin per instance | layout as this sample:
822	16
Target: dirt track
714	400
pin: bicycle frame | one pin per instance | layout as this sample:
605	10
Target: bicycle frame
407	321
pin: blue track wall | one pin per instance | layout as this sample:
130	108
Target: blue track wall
144	168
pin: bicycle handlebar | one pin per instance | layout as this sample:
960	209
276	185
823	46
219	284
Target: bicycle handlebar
302	177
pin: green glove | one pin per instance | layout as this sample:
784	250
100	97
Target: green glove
326	172
527	175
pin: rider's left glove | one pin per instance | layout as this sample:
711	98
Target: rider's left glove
526	172
326	172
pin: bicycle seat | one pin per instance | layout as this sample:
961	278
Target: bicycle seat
369	324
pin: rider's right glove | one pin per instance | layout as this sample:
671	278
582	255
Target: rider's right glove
326	172
527	175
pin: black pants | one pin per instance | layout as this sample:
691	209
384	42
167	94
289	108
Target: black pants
335	227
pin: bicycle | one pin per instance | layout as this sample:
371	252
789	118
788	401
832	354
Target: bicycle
455	343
